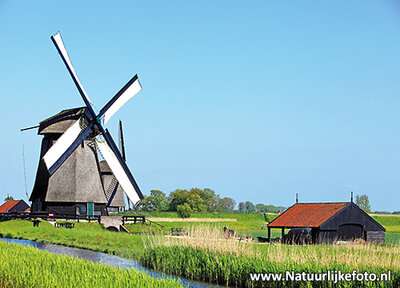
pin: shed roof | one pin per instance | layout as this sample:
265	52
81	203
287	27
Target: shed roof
310	215
8	205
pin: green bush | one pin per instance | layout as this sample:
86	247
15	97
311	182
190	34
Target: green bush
184	210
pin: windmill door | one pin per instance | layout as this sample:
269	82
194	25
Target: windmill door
90	209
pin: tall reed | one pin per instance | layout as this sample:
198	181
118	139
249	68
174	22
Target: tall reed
22	266
206	255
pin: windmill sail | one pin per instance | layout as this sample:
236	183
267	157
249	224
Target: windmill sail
110	153
121	141
65	146
74	135
124	95
58	42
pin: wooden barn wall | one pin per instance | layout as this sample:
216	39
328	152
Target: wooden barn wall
351	214
326	236
331	236
376	236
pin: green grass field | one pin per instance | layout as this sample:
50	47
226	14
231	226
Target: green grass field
390	222
22	266
245	224
251	256
85	235
250	224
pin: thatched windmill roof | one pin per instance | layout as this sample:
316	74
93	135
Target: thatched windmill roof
61	121
78	179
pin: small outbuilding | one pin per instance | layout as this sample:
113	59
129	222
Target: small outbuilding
16	206
330	222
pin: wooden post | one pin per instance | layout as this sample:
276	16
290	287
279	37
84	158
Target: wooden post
269	235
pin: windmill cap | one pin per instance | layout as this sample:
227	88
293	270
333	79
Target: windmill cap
61	121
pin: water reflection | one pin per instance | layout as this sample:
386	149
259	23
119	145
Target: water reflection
106	259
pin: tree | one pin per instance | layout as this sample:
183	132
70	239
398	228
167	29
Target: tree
269	208
158	200
184	210
210	199
196	203
9	198
199	200
363	202
176	198
250	208
226	204
143	205
261	207
242	207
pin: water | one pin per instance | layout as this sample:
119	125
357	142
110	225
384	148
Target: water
106	259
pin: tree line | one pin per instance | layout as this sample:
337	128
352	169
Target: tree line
186	202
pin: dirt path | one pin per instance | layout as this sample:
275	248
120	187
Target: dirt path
157	219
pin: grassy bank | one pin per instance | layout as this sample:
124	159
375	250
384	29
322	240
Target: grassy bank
207	256
85	235
233	270
22	266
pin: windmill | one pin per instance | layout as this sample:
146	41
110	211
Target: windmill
69	153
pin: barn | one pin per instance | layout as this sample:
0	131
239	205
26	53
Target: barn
330	222
14	206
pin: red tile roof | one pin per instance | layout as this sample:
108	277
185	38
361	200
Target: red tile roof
8	205
307	215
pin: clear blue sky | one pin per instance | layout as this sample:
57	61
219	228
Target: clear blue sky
257	100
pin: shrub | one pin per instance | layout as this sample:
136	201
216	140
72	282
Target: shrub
184	210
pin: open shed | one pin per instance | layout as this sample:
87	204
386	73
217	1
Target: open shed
330	222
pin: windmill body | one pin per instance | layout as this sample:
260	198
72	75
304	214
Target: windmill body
69	176
76	187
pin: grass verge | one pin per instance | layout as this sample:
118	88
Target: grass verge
26	267
85	235
206	256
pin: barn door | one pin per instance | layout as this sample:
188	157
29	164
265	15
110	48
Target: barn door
350	231
90	209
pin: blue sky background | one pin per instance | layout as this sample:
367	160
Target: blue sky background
257	100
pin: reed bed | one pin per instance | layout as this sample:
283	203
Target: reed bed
203	237
22	266
206	255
